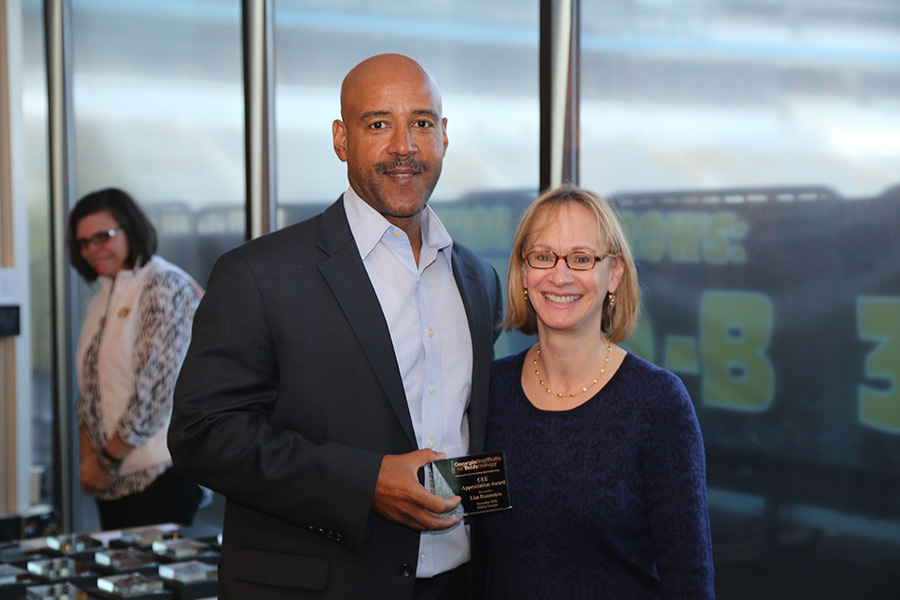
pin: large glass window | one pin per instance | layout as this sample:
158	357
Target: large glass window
754	148
158	96
485	58
158	107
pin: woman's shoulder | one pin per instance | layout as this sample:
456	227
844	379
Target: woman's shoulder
506	374
165	289
507	364
157	266
635	367
160	273
506	388
648	381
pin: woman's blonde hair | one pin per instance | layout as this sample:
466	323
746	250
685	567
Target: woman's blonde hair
620	318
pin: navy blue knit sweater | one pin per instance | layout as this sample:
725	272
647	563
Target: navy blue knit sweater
609	498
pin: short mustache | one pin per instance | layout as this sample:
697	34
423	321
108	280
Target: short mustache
407	162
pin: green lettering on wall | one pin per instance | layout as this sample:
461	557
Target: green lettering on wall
652	237
879	321
735	330
685	236
718	234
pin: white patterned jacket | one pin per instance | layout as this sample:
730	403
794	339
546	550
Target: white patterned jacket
133	341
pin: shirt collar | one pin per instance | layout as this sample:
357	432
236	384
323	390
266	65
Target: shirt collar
368	226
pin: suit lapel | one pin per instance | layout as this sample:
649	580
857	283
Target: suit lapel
472	292
345	273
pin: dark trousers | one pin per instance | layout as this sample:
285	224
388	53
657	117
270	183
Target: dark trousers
452	585
171	498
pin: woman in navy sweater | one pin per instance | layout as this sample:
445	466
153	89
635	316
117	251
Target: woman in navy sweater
603	449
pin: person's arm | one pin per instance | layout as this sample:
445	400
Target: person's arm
222	438
675	469
165	312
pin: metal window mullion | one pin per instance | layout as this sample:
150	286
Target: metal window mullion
559	80
57	33
259	115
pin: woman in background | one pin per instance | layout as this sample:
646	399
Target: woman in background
132	343
603	449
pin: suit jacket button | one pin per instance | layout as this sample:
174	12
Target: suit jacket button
338	537
405	570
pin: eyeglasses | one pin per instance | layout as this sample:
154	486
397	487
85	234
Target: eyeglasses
577	261
98	239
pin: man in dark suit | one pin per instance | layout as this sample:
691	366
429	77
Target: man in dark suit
332	360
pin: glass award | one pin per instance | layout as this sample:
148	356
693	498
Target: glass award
52	568
144	536
478	479
193	571
129	584
73	543
11	574
55	591
179	548
22	549
124	558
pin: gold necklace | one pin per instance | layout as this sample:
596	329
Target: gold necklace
573	394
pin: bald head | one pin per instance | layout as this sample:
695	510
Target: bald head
385	71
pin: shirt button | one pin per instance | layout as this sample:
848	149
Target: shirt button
431	444
422	557
432	389
430	333
396	234
405	570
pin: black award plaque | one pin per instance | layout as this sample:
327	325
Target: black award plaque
479	479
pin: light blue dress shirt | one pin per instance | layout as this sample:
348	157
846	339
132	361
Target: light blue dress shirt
432	342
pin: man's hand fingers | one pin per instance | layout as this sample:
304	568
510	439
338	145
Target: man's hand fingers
399	497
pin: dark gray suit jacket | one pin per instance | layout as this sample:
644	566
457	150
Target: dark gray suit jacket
288	399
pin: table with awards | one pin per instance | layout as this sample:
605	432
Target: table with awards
160	562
